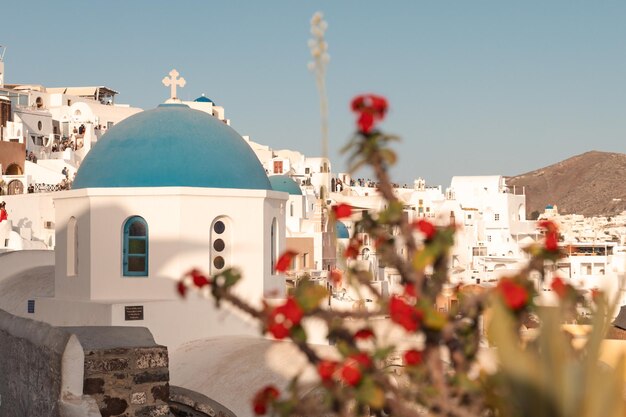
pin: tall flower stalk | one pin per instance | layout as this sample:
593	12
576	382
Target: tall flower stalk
320	59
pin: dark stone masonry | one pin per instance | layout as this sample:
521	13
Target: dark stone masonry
125	372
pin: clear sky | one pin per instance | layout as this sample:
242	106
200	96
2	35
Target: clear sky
475	87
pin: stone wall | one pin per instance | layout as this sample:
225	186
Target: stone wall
125	371
48	371
36	368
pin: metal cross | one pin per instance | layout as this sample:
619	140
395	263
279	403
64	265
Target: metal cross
172	81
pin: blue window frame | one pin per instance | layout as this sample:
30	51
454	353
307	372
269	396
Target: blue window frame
135	247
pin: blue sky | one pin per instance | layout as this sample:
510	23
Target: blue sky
475	87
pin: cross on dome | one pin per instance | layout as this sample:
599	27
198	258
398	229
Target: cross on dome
173	81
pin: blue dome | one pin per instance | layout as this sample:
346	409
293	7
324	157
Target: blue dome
342	231
171	146
203	99
285	183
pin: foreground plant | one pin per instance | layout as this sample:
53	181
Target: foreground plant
437	365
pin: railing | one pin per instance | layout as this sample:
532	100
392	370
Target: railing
517	190
48	188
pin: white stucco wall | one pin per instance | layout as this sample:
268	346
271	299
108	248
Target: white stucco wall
179	222
32	211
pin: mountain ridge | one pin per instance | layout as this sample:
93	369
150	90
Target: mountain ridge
592	184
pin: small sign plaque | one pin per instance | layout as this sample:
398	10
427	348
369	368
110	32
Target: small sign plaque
133	313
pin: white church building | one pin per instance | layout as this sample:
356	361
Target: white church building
164	191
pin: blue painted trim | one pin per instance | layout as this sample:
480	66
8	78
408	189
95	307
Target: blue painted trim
125	247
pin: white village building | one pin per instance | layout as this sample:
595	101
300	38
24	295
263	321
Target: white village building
166	190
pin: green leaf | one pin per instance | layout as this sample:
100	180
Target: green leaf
344	348
309	295
285	408
434	319
424	257
392	214
231	277
383	353
298	334
388	156
370	394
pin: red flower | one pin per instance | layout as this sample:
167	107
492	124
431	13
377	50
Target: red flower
284	261
283	318
335	276
364	334
263	397
412	357
552	242
371	103
350	373
363	359
342	210
380	241
352	251
549	225
559	287
199	280
409	290
326	370
403	314
278	330
596	294
365	122
515	295
552	235
181	288
425	227
370	108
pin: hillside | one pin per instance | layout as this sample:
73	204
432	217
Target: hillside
592	184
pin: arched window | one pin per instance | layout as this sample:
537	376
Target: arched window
273	237
72	248
135	247
14	169
15	187
220	244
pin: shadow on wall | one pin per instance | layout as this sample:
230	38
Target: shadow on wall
213	367
42	370
96	246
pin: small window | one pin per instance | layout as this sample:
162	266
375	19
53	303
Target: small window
220	244
72	247
273	244
488	238
219	227
496	217
30	307
135	252
39	125
218	262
